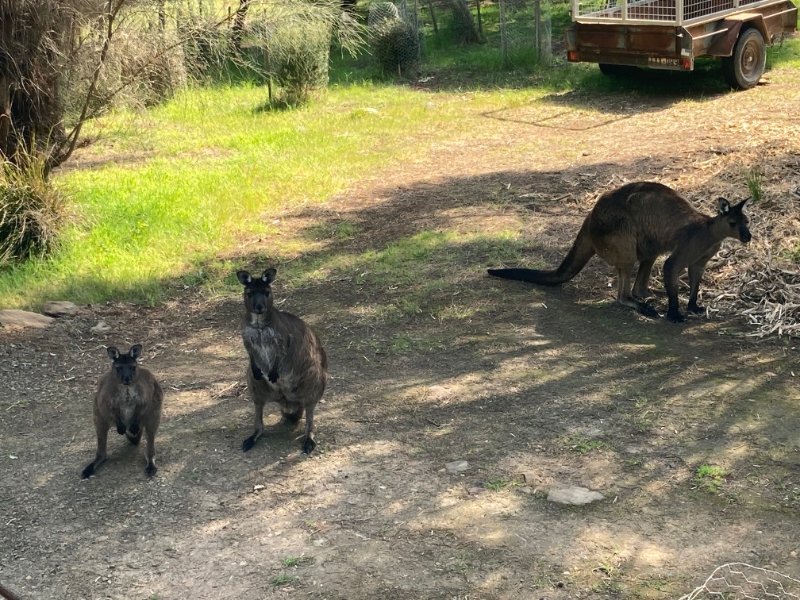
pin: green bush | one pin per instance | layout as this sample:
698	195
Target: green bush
31	211
395	46
298	58
208	48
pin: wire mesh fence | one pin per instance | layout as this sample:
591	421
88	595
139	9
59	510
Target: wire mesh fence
740	581
526	31
394	31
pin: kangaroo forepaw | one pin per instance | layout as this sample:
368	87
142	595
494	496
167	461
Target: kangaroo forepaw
309	445
150	469
675	317
134	429
88	471
249	443
272	376
648	311
120	427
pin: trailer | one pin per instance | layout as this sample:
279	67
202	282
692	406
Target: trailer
671	34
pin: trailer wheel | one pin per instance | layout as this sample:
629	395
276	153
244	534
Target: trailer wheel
745	67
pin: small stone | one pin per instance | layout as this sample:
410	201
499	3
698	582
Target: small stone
101	327
23	318
59	308
474	490
320	541
573	495
793	553
526	489
530	477
457	466
258	487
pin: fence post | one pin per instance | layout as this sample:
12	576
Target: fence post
537	20
503	33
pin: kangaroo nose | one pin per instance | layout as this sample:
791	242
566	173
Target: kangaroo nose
746	236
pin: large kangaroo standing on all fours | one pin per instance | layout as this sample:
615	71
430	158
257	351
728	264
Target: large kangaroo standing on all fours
288	364
129	397
640	222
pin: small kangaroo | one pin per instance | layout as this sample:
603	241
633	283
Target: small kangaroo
129	397
288	364
640	222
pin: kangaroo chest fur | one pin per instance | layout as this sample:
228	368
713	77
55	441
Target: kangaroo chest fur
262	344
266	347
126	402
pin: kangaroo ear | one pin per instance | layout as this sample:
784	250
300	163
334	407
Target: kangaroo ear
743	204
135	351
243	277
269	276
724	206
113	353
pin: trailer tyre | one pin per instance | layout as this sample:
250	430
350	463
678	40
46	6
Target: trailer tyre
745	67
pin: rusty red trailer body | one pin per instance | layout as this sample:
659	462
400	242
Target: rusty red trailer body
671	34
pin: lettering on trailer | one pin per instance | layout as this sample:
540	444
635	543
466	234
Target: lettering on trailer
663	61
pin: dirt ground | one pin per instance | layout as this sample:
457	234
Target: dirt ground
533	387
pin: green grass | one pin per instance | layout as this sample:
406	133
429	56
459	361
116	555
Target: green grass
190	180
297	561
584	446
710	477
282	579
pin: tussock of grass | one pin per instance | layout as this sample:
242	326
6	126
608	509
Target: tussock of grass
31	210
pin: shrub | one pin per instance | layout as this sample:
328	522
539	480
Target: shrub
208	48
298	58
31	210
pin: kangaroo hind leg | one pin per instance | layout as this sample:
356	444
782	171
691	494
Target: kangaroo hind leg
308	442
641	287
624	292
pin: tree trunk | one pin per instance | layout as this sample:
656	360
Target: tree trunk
468	32
238	23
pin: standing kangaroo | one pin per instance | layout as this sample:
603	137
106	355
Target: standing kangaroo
129	397
288	364
640	222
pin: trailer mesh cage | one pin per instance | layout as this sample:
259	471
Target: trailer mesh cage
675	12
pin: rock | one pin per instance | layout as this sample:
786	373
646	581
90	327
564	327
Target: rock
793	553
573	495
101	327
457	466
59	308
530	477
526	489
23	318
474	490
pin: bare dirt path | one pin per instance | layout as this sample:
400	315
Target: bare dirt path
559	385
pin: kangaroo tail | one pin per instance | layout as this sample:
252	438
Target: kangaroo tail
582	250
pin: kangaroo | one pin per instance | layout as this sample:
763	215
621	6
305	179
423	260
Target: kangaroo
640	222
129	397
288	364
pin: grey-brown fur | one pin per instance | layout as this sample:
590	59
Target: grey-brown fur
288	364
639	222
129	398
